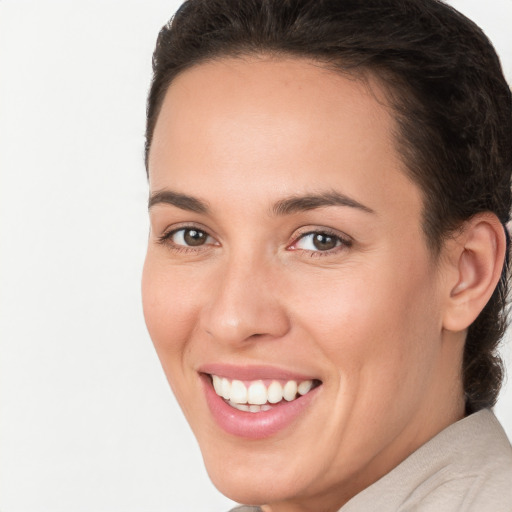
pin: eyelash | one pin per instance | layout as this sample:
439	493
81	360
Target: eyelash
166	239
342	242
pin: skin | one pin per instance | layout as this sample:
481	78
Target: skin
367	318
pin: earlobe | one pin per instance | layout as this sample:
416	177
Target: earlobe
477	260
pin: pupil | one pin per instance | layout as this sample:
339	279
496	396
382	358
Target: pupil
324	242
194	237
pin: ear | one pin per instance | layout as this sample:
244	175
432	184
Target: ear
475	257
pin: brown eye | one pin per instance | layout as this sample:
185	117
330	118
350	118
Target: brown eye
194	237
324	242
320	241
190	237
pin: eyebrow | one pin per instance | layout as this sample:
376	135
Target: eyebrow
297	204
286	206
183	201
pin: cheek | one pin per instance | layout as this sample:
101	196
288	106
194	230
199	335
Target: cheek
377	337
169	309
169	300
372	326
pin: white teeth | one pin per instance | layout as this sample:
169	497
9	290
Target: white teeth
250	408
304	387
257	396
290	390
217	384
238	392
275	392
240	407
257	393
259	408
225	389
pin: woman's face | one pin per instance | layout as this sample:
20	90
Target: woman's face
286	251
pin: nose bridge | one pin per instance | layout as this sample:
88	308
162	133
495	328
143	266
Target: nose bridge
243	303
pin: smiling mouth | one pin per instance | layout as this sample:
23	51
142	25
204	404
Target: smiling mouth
260	395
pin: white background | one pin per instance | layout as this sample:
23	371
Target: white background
87	422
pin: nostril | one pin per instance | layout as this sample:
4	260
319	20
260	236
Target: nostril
255	336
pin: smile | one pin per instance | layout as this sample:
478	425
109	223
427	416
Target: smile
257	396
257	402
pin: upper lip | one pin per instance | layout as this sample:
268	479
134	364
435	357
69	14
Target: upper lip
253	372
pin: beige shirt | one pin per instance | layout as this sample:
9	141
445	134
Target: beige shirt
465	468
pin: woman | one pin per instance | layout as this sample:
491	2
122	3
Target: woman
325	281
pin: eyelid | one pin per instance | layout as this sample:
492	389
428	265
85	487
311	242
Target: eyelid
165	237
170	228
345	240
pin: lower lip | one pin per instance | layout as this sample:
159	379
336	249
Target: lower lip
254	425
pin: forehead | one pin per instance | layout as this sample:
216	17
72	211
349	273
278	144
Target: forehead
287	123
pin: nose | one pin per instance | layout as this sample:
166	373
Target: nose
244	304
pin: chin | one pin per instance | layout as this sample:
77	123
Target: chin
253	486
257	478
